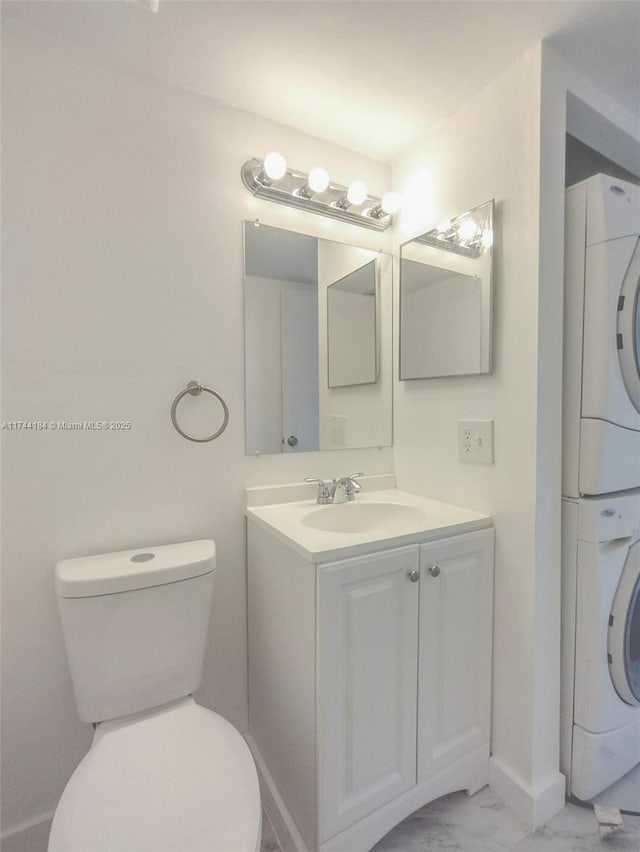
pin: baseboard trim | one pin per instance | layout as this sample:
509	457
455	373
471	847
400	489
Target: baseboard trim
535	805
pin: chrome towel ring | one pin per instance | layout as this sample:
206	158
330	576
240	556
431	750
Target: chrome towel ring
195	389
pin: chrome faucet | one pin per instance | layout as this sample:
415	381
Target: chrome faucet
329	492
324	495
348	486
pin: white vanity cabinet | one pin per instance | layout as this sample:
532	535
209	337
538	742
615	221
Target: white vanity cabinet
369	682
367	660
456	627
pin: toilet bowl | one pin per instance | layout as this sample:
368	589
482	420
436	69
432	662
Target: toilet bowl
180	778
163	774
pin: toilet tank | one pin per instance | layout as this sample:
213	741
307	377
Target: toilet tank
135	625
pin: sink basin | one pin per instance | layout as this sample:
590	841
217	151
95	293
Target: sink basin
342	530
364	517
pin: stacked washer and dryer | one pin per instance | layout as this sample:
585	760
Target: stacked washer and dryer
600	726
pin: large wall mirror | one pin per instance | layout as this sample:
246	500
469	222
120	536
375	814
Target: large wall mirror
318	332
446	298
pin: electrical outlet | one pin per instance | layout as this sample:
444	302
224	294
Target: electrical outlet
475	441
338	430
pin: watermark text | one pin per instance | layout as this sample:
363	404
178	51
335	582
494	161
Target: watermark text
66	426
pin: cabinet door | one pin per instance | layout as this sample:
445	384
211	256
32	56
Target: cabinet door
367	684
456	618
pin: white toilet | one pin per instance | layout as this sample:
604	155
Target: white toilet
162	773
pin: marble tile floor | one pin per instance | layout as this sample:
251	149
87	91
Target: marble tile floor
483	823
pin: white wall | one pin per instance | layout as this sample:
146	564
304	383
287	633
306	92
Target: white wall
122	272
491	148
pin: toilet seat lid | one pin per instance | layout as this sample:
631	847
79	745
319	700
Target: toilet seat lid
178	780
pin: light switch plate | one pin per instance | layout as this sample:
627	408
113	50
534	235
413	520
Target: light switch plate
475	441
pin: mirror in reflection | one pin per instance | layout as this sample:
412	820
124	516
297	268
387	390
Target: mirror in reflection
317	343
351	328
446	298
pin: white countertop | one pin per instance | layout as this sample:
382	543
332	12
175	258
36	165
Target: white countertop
426	520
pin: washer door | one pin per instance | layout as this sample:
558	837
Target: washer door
624	631
628	333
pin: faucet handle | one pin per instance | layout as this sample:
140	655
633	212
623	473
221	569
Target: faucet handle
349	485
324	495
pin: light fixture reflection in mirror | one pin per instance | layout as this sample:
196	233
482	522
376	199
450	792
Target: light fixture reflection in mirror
469	234
446	298
314	381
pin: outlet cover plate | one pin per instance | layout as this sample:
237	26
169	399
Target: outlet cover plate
475	441
338	430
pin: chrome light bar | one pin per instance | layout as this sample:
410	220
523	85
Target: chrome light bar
469	234
293	190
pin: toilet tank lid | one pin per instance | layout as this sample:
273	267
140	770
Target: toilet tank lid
128	570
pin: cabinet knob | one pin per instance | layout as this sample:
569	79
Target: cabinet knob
434	570
414	575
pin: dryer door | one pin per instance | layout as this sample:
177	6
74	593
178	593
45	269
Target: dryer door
610	379
628	336
624	631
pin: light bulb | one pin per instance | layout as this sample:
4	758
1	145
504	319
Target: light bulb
275	165
357	192
391	202
467	230
318	179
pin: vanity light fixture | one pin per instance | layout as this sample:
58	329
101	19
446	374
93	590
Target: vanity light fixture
469	234
467	230
272	179
357	192
318	179
354	196
274	167
391	203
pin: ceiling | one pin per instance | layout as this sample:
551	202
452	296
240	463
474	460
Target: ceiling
372	75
